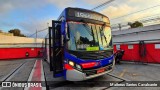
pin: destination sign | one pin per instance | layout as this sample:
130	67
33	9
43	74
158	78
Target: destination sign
75	14
89	15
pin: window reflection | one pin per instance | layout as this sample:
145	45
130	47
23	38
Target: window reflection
89	37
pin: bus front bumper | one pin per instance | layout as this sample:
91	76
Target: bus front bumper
75	75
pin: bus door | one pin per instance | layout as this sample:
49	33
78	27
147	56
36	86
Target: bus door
56	49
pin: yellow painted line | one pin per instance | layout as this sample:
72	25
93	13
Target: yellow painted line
122	73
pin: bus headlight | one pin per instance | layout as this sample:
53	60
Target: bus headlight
78	67
71	63
74	65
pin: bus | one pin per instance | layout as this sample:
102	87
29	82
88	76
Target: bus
78	45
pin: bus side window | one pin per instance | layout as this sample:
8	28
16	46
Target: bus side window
57	32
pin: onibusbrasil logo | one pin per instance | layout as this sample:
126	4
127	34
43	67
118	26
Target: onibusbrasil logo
21	84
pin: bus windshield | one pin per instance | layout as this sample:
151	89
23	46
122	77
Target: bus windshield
89	37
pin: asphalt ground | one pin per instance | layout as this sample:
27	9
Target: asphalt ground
137	71
7	66
15	70
133	71
20	70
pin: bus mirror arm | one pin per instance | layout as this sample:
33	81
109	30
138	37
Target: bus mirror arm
67	39
62	40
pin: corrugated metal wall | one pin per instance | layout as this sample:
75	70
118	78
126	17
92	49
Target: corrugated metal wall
128	40
152	53
12	47
19	53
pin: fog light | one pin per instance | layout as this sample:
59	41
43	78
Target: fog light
78	67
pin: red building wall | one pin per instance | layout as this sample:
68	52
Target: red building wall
152	54
19	53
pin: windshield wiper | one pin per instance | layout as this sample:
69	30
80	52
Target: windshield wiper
87	29
90	32
101	30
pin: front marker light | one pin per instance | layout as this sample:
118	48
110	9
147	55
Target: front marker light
71	63
110	61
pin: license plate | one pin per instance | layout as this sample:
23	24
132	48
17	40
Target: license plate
100	70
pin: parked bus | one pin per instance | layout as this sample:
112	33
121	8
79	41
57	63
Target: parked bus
79	45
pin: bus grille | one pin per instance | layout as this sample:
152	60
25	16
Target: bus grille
94	71
91	55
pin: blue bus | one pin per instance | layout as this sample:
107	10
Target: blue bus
78	45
